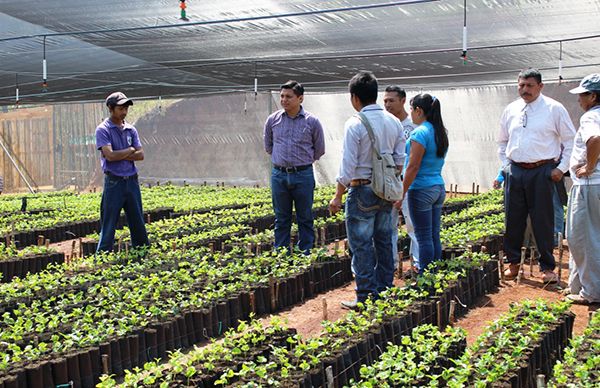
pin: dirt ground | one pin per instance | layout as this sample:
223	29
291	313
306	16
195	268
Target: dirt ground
307	317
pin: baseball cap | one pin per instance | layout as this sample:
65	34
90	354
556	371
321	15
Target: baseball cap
118	98
590	83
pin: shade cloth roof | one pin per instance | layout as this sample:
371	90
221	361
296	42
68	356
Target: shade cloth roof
321	43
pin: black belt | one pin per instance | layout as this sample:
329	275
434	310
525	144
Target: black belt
292	169
110	174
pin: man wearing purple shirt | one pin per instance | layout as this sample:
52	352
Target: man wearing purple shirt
294	139
120	147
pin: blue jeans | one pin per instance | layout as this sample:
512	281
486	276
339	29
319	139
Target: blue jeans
425	207
121	194
293	188
369	228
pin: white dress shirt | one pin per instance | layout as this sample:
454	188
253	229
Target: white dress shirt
589	126
536	131
357	153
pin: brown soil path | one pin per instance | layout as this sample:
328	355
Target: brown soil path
307	317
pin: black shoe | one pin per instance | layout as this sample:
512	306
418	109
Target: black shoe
350	304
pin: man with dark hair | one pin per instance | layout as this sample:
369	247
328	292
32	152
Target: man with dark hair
368	217
394	100
294	139
533	130
120	147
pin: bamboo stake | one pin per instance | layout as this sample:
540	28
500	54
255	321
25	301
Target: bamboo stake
252	302
451	315
439	314
329	375
560	256
325	315
273	296
531	258
105	364
501	264
541	381
519	272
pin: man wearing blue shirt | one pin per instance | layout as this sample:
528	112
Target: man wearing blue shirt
368	217
120	148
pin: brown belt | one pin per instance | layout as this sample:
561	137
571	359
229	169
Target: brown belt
359	182
531	165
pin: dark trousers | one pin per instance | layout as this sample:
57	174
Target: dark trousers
529	192
121	194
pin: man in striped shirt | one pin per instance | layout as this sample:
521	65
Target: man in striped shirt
294	139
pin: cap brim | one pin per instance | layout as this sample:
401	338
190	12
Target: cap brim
578	90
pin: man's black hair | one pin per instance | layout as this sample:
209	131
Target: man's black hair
295	86
364	86
395	88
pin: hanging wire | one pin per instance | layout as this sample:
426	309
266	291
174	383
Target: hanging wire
560	77
464	45
255	80
44	69
17	89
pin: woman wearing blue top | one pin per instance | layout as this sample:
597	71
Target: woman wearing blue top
426	149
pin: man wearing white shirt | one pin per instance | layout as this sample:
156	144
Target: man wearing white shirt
368	217
532	131
394	100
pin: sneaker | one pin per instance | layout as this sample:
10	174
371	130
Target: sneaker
350	304
577	299
549	277
512	272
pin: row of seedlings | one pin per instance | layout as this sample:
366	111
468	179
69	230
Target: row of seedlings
127	314
358	338
524	343
580	365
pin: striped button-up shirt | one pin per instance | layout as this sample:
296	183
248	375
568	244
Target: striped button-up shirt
296	141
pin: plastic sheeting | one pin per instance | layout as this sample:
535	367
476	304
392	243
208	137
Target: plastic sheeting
416	44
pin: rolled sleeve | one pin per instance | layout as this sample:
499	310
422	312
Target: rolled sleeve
349	157
503	139
589	128
567	131
268	136
102	137
318	138
399	148
136	143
